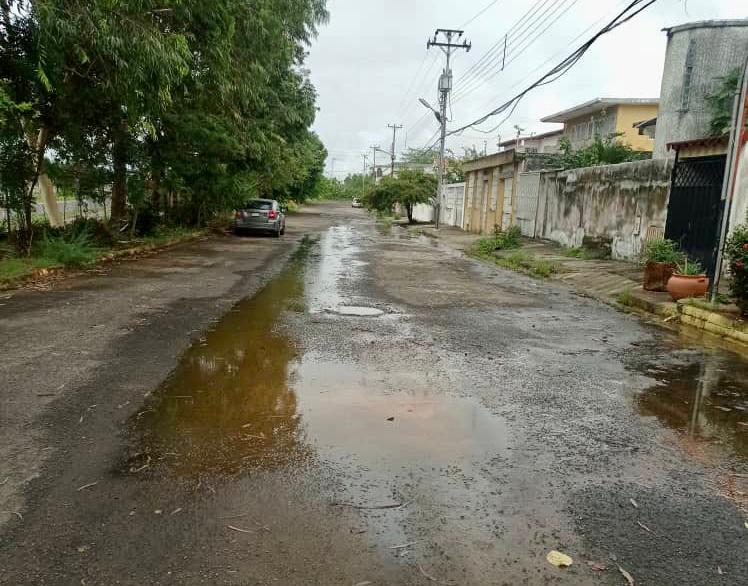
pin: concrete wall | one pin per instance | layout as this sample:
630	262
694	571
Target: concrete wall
454	201
616	205
717	48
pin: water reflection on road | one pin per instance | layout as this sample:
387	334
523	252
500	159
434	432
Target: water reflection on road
228	405
705	397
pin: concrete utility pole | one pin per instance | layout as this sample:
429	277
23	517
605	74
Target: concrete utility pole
374	149
363	177
443	38
395	128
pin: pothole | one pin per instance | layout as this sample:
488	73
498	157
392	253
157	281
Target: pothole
358	311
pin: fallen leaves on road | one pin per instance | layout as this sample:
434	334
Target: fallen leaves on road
558	559
597	566
239	529
89	485
643	526
633	502
629	577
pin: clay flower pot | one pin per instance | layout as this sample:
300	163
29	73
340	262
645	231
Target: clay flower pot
657	274
682	286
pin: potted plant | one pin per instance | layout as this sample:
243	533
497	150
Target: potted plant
688	280
736	251
661	257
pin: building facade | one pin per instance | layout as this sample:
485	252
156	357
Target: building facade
490	192
698	55
606	116
545	143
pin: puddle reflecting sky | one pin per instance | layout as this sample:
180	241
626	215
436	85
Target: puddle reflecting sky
705	397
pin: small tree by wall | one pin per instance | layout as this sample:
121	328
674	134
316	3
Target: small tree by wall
408	189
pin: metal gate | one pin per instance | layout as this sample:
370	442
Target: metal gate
528	188
695	208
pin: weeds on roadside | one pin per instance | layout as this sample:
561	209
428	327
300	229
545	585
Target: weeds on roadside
528	264
71	251
499	241
576	252
625	297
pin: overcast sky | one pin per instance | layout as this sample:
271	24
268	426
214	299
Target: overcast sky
370	65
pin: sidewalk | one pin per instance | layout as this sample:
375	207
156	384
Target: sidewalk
618	283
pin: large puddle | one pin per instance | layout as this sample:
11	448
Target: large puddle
704	397
246	396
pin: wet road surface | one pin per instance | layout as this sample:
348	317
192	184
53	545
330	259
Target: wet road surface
385	411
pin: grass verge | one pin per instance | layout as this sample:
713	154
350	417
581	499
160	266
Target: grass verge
59	253
520	262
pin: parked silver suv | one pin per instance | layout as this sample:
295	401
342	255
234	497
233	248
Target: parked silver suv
260	215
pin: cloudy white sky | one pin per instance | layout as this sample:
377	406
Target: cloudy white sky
370	65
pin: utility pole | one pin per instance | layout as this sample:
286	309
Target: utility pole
375	148
395	128
446	40
363	177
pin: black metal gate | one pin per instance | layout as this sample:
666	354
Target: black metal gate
695	208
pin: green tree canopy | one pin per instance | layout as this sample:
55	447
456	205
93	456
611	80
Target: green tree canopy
407	189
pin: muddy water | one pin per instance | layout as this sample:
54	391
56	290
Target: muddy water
703	396
228	405
247	396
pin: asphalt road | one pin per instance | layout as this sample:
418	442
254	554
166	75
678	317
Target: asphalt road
351	405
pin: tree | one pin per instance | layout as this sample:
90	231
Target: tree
721	103
408	189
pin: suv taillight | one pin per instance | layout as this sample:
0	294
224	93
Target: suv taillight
272	214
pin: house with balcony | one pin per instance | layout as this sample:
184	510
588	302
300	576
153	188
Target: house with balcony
606	116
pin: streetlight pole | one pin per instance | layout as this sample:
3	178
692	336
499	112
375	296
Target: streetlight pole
445	87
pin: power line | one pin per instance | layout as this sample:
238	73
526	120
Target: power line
550	19
502	40
562	68
492	66
552	57
420	87
479	14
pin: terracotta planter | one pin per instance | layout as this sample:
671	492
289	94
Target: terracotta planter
682	286
657	274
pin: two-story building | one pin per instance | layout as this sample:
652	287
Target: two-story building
543	143
606	116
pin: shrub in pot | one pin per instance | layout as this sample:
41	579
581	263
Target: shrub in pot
688	280
736	251
661	257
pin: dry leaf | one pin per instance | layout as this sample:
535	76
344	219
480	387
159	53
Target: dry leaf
719	571
558	559
597	566
633	502
626	575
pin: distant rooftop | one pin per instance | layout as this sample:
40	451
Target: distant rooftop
596	105
542	135
706	24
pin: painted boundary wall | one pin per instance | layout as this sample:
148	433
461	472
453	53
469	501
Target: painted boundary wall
454	198
616	206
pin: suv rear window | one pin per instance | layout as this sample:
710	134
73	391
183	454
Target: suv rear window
256	204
